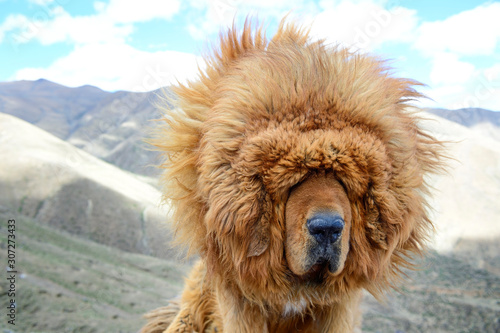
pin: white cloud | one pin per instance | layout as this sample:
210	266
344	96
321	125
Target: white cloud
41	2
112	22
81	29
471	32
56	25
214	15
13	22
481	89
101	56
448	69
363	25
117	67
455	82
128	11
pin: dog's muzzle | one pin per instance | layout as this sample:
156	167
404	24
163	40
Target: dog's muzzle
326	229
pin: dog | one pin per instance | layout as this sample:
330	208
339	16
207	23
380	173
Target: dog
296	170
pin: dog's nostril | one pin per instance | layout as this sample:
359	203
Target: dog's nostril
325	228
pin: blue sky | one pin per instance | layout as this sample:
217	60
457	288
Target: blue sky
452	46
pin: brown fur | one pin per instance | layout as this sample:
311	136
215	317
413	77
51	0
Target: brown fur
263	120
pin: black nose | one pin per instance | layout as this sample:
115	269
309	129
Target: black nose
325	227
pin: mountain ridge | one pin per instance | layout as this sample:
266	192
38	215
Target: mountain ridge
87	117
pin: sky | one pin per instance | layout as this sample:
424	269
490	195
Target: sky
451	46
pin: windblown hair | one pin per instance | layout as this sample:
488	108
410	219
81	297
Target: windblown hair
264	115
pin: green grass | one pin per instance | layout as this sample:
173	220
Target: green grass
74	285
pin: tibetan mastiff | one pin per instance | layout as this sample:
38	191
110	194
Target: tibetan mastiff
297	171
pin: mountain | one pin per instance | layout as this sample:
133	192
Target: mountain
50	106
481	120
50	180
111	126
115	129
469	117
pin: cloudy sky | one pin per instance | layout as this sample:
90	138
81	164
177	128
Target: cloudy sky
452	46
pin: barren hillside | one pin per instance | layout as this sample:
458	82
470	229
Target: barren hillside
50	180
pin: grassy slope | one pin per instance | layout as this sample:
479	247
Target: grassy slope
74	285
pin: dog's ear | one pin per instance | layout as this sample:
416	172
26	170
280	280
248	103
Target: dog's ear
259	241
240	209
260	235
373	224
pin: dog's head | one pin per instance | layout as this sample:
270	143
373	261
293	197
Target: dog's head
294	166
